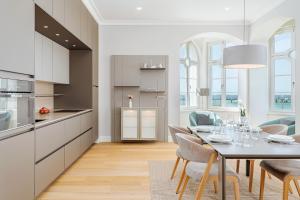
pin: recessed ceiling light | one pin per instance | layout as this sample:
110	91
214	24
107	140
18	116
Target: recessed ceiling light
45	26
227	8
57	34
139	8
74	45
66	40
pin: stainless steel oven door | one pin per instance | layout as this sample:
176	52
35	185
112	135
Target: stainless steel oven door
16	110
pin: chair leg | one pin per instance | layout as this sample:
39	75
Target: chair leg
182	176
205	176
175	167
238	166
251	175
297	186
236	188
286	184
269	175
262	184
215	185
290	189
187	178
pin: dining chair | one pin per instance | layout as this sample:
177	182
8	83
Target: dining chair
278	129
173	130
202	166
284	170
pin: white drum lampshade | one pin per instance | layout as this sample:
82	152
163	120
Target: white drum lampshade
245	57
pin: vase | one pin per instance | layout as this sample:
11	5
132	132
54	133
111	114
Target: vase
130	103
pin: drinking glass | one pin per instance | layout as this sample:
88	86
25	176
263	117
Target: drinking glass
255	134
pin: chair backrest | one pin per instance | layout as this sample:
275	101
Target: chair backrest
278	129
191	150
203	118
177	129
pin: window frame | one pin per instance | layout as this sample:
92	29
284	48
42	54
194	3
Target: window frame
187	68
210	63
283	55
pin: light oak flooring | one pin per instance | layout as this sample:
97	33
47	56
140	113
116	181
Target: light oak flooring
114	171
110	171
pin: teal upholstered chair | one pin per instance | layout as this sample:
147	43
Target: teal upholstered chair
289	121
204	118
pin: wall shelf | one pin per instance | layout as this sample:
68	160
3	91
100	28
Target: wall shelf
156	68
48	95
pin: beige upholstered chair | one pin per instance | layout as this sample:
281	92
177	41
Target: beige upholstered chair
278	129
202	165
284	170
173	131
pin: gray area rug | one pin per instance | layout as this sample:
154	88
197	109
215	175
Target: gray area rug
162	188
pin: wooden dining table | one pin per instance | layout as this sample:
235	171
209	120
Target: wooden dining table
260	149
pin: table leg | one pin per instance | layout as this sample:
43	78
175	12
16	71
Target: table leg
222	178
247	167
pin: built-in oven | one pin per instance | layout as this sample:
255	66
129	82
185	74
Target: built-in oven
16	106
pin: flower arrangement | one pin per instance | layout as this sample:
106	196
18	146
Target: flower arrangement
242	107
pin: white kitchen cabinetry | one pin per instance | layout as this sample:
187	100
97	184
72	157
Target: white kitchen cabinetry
130	123
60	64
139	123
46	5
51	61
148	123
17	36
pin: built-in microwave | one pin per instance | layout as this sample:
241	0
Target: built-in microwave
16	105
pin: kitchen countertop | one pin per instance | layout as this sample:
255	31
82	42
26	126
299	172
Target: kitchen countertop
54	117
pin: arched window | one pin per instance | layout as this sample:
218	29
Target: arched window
189	62
282	70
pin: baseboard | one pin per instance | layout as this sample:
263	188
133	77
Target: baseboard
102	139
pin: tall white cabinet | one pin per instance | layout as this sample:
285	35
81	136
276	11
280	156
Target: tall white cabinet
139	123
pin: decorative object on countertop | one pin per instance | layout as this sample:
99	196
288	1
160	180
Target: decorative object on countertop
44	110
130	97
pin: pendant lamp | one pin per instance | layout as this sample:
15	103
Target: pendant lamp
246	56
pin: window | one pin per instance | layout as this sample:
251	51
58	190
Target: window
282	71
189	62
223	83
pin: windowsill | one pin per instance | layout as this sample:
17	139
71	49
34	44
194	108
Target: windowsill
281	113
223	109
190	109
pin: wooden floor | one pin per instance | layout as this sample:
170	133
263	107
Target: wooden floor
110	171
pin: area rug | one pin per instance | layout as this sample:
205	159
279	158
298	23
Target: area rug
162	188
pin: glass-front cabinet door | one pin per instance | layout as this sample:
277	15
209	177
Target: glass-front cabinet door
148	123
129	124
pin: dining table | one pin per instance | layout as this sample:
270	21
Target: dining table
259	149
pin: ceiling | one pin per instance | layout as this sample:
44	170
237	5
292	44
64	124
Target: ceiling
180	11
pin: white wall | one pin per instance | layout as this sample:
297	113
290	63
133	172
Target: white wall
260	32
146	40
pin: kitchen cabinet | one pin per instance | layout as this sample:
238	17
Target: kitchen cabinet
17	167
17	36
95	114
72	16
85	141
130	123
48	139
60	64
47	170
95	45
86	121
72	152
84	24
148	123
59	11
46	5
51	61
72	128
47	59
